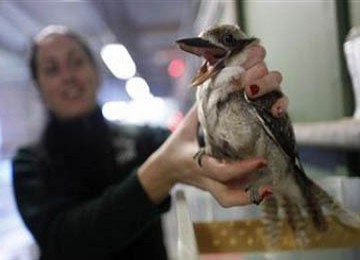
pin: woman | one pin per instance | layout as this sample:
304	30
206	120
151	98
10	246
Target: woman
91	190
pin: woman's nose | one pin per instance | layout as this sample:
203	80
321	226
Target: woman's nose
67	73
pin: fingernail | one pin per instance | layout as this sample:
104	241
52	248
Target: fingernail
254	89
266	191
266	194
261	165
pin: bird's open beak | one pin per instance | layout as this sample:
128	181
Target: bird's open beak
213	54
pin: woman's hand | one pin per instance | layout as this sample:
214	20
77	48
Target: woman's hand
225	181
173	163
257	80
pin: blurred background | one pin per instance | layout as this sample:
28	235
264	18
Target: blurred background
305	40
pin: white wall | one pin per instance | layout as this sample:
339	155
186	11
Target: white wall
301	41
354	10
21	115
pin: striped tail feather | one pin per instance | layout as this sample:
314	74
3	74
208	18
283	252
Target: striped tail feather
313	204
297	222
271	221
345	216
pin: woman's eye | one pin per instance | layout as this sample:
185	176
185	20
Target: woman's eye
78	62
228	39
50	71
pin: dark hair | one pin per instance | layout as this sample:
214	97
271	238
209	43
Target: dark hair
55	30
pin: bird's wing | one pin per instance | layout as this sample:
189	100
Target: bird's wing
279	129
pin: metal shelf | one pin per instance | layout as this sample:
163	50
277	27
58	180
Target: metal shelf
339	134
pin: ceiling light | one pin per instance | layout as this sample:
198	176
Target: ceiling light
156	111
118	61
176	68
1	140
137	88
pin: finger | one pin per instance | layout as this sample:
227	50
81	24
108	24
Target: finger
237	197
266	84
227	197
280	107
265	191
227	171
189	125
255	73
232	198
255	54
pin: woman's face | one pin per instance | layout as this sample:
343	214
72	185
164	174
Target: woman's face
68	80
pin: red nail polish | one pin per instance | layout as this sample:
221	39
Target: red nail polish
261	165
254	89
266	193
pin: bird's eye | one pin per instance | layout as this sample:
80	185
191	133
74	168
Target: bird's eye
228	39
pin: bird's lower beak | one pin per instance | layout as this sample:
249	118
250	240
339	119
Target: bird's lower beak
213	54
206	72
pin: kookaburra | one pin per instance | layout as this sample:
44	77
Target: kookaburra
237	128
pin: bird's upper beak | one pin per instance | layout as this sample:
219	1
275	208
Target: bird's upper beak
213	54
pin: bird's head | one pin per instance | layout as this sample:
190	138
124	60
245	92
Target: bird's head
216	45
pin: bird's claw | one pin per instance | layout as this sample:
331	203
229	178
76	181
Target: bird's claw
254	195
198	156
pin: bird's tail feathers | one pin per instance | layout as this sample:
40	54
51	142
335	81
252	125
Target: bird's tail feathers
345	216
272	223
296	222
313	204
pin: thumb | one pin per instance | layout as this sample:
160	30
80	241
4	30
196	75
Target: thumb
189	125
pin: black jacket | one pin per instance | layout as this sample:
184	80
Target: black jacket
77	191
